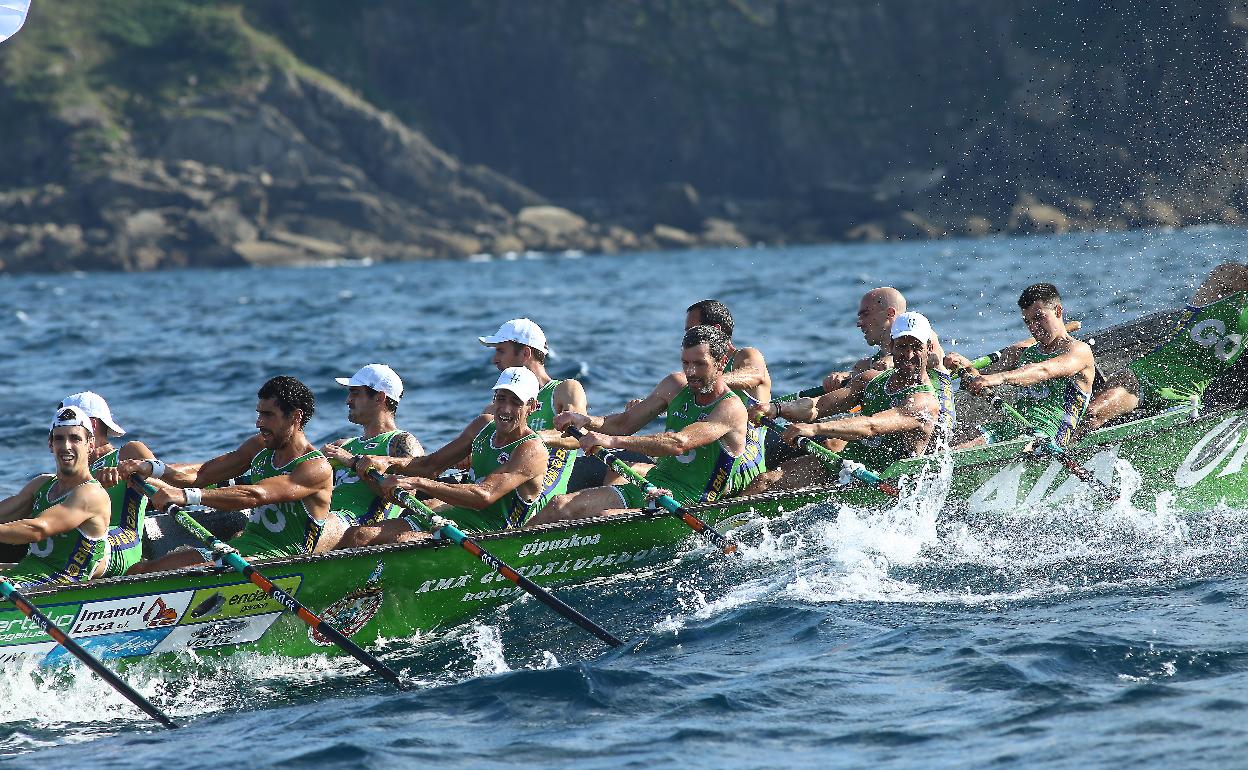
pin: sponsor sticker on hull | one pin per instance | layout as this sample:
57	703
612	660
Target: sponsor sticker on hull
218	633
17	629
237	600
127	644
135	613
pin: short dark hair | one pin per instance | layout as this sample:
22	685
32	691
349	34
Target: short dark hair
1045	293
712	312
290	394
391	405
715	340
538	355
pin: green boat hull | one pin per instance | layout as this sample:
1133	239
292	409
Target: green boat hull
398	591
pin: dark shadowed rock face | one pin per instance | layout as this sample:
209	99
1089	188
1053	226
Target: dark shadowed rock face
157	133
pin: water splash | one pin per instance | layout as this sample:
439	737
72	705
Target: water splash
485	645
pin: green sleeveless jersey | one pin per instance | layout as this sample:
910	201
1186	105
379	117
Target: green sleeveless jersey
125	528
879	452
353	498
510	510
1205	342
277	529
70	557
709	472
559	466
1055	407
755	435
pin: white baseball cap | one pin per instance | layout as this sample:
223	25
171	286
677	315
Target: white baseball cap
520	381
93	405
71	415
520	330
378	377
912	324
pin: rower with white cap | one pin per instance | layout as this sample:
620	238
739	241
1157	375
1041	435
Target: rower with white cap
508	466
373	395
900	411
125	533
62	518
521	342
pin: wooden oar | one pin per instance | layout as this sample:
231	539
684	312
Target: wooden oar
90	661
430	520
230	556
979	363
668	502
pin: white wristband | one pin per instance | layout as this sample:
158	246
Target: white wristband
194	495
158	468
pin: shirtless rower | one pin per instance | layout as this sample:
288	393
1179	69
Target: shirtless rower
125	532
286	483
703	455
1207	340
373	395
61	517
901	411
521	342
508	463
1054	377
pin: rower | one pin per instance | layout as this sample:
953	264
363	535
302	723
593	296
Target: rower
62	517
901	412
373	395
746	374
877	310
1206	342
508	462
521	342
285	481
1054	376
704	454
125	532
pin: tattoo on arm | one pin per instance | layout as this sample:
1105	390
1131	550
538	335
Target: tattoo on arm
405	445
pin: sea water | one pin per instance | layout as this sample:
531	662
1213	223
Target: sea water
1072	636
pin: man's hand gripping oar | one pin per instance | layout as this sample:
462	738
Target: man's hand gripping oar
231	557
28	609
1044	446
431	521
668	502
848	468
979	363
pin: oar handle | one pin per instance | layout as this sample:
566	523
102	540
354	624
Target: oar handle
230	556
669	503
812	447
28	609
429	519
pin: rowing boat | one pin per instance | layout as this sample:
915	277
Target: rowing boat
398	591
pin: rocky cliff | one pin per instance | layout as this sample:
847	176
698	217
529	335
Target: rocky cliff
148	133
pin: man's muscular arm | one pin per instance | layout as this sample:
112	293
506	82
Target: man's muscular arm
307	479
630	420
569	397
729	415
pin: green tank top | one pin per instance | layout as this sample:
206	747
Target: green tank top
559	466
709	472
1205	342
1055	407
510	510
70	557
125	528
287	526
755	439
879	452
353	497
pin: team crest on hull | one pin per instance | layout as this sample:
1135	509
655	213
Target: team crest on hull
351	612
